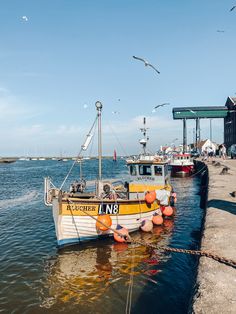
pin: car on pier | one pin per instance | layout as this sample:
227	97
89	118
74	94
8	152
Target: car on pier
195	153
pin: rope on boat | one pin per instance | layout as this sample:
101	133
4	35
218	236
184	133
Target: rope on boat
128	239
81	149
130	288
199	171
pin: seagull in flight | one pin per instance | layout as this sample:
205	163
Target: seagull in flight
25	18
146	63
232	8
162	105
220	31
158	106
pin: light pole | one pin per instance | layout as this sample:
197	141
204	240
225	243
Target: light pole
211	130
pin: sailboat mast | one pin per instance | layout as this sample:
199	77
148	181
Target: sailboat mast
98	105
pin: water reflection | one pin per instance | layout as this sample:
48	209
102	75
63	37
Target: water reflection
97	273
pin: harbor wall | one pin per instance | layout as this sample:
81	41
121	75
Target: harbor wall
216	282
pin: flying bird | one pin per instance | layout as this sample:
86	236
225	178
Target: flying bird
157	106
162	105
146	63
220	31
115	112
233	8
25	18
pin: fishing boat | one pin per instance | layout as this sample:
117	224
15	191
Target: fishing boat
80	211
181	165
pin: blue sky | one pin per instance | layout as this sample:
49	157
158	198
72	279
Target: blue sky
71	53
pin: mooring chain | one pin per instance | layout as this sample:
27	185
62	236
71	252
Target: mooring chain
220	259
129	239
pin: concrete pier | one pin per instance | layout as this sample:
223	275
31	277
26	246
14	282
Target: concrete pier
216	282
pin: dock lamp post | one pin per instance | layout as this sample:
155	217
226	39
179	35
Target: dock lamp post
211	130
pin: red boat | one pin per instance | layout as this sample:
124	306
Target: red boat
114	156
181	165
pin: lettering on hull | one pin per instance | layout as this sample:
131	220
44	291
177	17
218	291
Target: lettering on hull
110	209
81	207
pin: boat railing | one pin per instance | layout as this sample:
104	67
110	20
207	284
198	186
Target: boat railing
50	191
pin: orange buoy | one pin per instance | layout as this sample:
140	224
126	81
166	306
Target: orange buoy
147	225
104	222
150	197
157	219
122	231
168	211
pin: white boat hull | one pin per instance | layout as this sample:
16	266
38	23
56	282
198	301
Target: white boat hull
74	229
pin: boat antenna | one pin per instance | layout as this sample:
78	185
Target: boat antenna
145	138
98	105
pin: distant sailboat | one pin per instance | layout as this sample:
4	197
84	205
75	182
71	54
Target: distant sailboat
114	155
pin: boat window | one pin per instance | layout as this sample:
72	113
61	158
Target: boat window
145	170
158	170
133	171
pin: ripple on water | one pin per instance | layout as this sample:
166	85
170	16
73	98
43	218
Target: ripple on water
95	277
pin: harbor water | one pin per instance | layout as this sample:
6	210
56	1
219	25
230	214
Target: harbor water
98	277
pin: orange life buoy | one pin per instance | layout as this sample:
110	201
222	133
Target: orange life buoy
168	211
122	231
157	219
150	197
104	222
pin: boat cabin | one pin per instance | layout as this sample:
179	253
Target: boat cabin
146	176
184	156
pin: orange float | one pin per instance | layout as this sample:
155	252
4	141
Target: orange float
157	219
104	222
150	197
122	231
168	211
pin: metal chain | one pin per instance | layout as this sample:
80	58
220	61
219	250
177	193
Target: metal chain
216	257
128	239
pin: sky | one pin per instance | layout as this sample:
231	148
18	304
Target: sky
58	57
